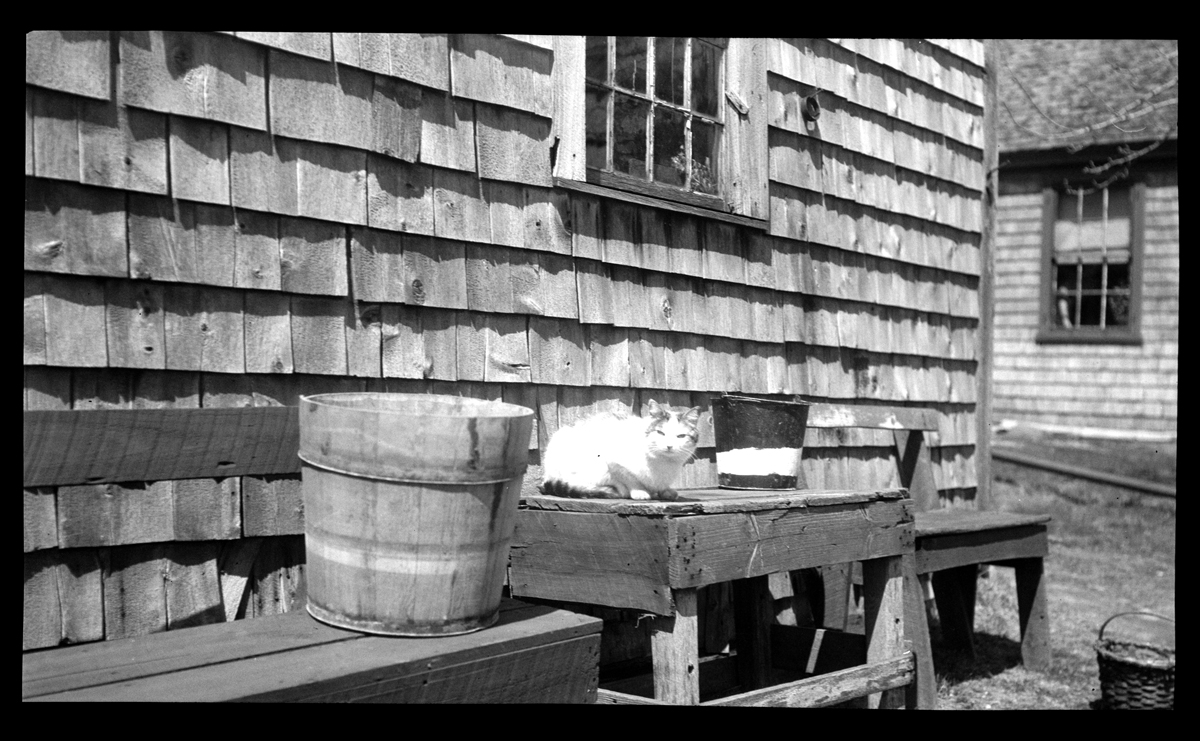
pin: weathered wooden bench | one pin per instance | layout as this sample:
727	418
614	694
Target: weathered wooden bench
533	654
952	543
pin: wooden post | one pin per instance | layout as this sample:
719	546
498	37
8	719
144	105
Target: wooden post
883	605
987	278
921	694
676	653
916	471
1035	621
836	584
753	614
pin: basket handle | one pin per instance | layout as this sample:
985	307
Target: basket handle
1133	612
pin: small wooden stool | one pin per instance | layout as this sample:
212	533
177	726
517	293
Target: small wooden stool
654	555
951	543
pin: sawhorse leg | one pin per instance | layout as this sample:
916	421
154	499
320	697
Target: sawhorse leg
753	613
675	652
883	608
954	591
921	694
1035	619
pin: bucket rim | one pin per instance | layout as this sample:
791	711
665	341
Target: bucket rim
756	400
469	406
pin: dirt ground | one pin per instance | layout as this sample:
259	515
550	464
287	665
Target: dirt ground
1111	550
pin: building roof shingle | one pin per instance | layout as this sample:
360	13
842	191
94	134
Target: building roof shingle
1066	92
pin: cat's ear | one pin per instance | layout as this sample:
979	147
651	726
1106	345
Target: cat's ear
692	416
655	409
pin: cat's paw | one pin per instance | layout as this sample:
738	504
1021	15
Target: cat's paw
638	494
668	495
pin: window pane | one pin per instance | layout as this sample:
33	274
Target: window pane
669	56
669	164
631	63
597	127
1091	277
1118	310
1118	276
629	134
704	157
1093	233
597	58
1068	206
705	74
1089	314
1064	311
1066	278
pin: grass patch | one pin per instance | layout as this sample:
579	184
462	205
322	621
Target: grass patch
1111	550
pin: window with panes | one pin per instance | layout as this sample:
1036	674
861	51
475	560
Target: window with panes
654	113
1093	247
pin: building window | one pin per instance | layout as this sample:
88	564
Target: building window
1090	291
654	114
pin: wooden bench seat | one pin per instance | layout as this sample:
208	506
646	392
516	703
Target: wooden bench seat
952	543
534	653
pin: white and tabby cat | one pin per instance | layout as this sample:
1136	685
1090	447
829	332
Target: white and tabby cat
614	457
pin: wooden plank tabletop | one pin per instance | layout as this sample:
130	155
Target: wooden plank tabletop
284	657
948	521
713	501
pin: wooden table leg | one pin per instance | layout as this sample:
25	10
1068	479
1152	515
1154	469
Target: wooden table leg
921	694
883	608
675	652
1035	619
954	591
753	613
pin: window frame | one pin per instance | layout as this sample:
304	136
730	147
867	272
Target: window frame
1049	332
743	194
648	187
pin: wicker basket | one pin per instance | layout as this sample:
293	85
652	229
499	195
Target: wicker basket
1135	676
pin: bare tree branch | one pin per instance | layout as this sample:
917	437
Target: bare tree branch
1124	117
1124	114
1129	155
1096	187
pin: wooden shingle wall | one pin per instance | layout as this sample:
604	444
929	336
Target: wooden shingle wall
877	206
235	219
1130	387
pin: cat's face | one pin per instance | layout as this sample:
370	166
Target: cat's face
672	434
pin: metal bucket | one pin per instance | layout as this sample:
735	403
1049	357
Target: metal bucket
409	507
759	442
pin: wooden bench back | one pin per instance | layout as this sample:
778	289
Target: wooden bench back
908	426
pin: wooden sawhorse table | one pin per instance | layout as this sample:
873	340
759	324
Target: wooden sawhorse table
653	556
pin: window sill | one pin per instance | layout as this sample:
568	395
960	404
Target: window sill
607	190
1088	337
